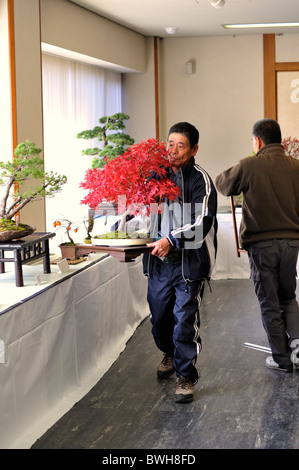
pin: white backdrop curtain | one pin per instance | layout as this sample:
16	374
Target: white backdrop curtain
75	96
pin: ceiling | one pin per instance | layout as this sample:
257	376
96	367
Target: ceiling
195	17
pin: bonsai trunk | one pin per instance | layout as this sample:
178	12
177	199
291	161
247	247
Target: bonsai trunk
122	224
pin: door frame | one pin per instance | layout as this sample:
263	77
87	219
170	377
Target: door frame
271	67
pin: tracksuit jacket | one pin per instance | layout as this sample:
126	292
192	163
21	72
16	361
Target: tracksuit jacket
267	213
199	225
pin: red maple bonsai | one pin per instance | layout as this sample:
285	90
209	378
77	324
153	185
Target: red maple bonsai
127	180
291	146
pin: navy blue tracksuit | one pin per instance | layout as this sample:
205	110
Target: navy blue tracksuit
175	284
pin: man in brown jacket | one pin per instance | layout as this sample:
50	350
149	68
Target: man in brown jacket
269	231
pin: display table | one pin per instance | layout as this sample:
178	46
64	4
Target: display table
228	264
25	250
62	338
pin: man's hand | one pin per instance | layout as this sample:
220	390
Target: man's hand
160	248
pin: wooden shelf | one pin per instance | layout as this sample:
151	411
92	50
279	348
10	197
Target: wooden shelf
124	254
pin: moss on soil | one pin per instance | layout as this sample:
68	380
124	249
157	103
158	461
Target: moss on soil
10	225
111	235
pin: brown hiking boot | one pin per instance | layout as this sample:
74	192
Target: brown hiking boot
184	390
165	368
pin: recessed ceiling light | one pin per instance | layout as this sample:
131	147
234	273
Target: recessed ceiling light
171	29
217	3
261	25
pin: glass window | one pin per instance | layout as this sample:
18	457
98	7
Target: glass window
75	96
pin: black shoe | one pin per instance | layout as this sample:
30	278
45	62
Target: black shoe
184	390
165	368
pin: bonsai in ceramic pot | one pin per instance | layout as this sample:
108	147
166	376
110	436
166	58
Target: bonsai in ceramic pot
26	167
127	180
291	146
69	249
114	142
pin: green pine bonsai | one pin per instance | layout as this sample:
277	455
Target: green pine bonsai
114	143
26	167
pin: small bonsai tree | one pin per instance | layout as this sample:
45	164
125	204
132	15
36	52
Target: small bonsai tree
69	226
127	180
27	165
114	143
291	146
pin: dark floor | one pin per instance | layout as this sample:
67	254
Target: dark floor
239	404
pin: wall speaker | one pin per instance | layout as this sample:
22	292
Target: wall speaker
190	67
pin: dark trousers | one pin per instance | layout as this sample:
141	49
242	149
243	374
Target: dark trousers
174	308
273	271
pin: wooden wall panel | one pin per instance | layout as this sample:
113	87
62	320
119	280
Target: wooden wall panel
270	110
271	67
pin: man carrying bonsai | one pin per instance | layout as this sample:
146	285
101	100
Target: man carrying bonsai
182	258
269	231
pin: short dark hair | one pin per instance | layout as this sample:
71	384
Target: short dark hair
268	130
186	129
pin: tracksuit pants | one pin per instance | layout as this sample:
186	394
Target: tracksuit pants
174	308
273	271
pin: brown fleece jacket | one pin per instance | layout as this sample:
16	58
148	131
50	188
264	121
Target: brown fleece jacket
270	185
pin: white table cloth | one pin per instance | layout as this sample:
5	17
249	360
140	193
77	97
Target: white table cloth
59	343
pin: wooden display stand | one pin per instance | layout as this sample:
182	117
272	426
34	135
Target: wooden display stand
238	249
27	249
124	254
